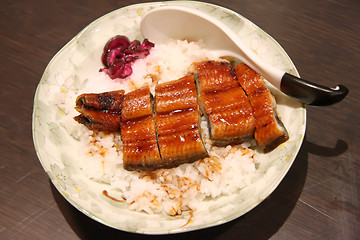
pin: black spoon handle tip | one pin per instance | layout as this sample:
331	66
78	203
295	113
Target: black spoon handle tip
311	93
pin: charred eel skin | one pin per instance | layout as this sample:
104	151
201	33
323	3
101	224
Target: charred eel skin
224	103
270	131
100	111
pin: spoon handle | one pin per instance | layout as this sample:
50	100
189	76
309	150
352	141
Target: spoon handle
311	93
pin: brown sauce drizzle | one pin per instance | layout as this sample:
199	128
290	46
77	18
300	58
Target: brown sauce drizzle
105	193
189	220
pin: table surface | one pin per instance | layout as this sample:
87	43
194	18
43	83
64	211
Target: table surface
318	199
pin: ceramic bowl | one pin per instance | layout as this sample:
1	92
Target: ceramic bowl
57	150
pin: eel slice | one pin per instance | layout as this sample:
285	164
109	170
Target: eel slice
224	103
100	111
270	131
177	121
140	148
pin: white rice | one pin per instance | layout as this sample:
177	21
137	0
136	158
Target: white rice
166	191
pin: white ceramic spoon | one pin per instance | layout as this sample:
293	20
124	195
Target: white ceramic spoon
176	22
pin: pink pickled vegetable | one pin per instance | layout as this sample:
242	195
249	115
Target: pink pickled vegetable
119	54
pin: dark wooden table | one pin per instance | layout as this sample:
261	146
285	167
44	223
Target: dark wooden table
319	197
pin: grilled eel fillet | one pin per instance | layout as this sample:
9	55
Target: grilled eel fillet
100	111
172	137
177	122
140	147
270	131
224	103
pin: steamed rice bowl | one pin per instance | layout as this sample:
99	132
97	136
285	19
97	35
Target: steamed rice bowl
165	191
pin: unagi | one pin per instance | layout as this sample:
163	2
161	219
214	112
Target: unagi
100	111
270	131
164	131
140	147
177	122
224	103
